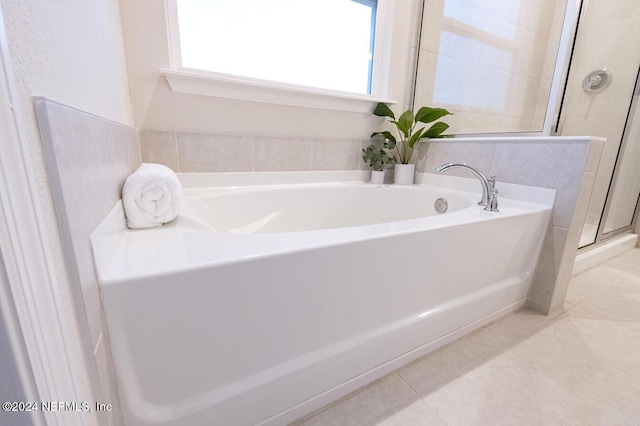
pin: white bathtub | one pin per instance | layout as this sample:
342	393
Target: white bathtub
264	302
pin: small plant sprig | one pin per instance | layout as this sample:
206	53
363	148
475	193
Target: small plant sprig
377	157
405	125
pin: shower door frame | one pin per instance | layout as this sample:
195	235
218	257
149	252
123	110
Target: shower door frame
601	235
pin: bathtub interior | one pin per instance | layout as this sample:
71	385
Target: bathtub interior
289	320
282	208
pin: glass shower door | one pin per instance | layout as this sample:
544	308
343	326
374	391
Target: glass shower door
624	192
599	101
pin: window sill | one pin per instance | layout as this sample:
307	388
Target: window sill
254	90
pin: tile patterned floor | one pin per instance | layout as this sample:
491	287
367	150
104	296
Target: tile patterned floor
581	367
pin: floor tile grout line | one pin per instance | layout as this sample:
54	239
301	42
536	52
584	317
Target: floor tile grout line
414	397
405	380
434	411
458	373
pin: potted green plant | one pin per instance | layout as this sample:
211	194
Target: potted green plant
408	136
377	157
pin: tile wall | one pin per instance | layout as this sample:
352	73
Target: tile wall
87	158
567	165
198	152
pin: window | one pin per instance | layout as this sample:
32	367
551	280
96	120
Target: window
327	46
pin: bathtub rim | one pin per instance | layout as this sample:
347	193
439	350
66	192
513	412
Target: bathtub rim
112	233
197	181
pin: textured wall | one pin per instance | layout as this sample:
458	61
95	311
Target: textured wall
156	107
69	51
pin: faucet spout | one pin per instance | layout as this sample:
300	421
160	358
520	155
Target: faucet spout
487	184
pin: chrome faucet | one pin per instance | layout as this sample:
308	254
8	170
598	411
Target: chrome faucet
489	192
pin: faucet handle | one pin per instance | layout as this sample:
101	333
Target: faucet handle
492	203
492	181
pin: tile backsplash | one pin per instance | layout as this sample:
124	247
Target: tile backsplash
88	159
186	152
567	165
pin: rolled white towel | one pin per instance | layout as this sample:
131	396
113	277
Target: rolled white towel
151	196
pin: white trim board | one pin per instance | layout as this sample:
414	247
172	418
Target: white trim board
50	339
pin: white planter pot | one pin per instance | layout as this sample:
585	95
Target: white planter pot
377	177
403	174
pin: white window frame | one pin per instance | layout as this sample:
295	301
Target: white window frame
200	82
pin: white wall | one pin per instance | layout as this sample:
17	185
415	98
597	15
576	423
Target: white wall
69	51
156	107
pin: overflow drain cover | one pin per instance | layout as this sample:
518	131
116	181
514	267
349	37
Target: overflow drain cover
441	205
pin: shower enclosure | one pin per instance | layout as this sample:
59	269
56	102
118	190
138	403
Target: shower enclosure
600	99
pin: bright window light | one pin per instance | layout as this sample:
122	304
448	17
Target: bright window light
326	44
